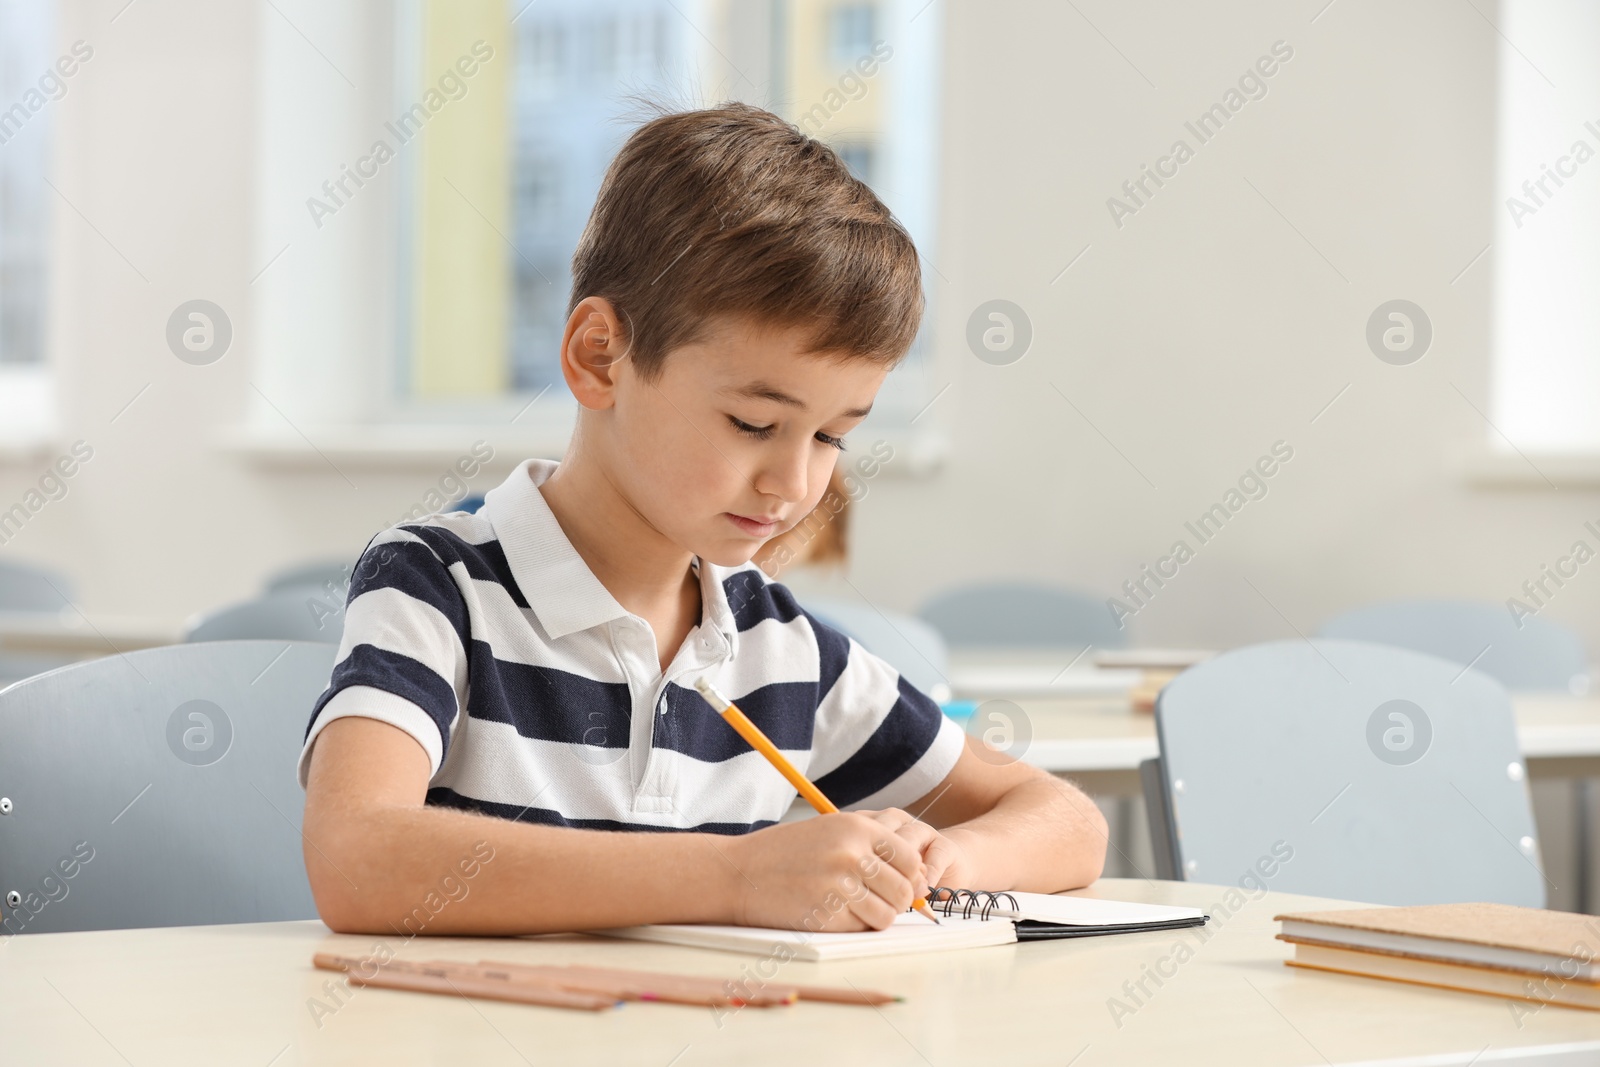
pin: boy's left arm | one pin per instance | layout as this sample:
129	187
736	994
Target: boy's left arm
994	824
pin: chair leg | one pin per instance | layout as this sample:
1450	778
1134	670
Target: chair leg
1581	823
1122	834
1160	819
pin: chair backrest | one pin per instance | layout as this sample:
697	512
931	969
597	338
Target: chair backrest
31	589
291	614
316	573
158	788
1344	769
15	666
26	587
1020	614
907	644
1529	653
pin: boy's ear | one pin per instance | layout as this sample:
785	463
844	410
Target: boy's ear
592	347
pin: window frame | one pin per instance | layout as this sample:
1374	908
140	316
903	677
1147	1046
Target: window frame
29	412
1535	437
315	401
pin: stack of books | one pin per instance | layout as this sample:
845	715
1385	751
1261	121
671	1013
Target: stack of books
1156	667
1499	949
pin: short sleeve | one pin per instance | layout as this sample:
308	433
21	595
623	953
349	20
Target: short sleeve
403	657
879	741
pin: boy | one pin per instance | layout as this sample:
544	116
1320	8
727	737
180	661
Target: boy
517	685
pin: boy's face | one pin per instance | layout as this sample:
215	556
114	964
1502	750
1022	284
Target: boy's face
733	444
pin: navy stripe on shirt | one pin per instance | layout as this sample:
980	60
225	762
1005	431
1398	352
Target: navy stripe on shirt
412	569
484	562
546	703
893	748
443	797
394	673
754	600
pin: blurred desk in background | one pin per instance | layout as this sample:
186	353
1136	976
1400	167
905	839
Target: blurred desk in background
1099	741
77	636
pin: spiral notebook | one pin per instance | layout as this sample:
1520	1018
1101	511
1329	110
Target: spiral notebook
968	919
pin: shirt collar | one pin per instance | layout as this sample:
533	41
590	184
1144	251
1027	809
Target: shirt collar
563	593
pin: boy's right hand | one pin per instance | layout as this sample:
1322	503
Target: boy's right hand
833	873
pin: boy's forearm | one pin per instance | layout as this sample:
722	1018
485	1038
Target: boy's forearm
1043	836
408	870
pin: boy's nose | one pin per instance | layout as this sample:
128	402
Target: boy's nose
784	476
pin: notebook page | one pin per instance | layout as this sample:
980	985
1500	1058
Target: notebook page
910	933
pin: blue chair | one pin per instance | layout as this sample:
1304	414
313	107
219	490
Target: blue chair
27	587
316	574
1536	655
31	589
1524	655
1384	774
158	788
1021	615
909	645
304	613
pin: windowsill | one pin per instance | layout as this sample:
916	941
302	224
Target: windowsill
918	452
28	447
28	429
388	446
1493	469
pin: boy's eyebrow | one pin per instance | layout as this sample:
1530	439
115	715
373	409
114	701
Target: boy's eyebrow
763	391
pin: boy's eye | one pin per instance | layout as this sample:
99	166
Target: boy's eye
760	433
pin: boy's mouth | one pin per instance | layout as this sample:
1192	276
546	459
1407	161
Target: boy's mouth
754	527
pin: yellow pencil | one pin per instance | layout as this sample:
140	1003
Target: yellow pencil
760	742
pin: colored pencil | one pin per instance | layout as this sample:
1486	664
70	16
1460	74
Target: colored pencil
835	995
576	985
459	979
686	988
650	985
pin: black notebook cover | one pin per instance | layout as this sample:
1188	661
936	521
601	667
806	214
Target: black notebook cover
1029	930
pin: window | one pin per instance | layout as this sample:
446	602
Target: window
852	29
1546	329
865	78
562	142
505	201
577	71
858	157
26	54
430	296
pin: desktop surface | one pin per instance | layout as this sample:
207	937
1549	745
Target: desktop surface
248	994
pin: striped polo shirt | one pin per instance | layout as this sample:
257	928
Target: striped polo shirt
538	697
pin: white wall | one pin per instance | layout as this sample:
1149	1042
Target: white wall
1206	328
1194	337
157	149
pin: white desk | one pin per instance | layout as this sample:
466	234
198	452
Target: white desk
73	634
1100	741
240	994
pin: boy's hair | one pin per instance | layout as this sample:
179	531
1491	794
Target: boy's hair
732	211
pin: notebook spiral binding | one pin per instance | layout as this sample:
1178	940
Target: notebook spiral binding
968	900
